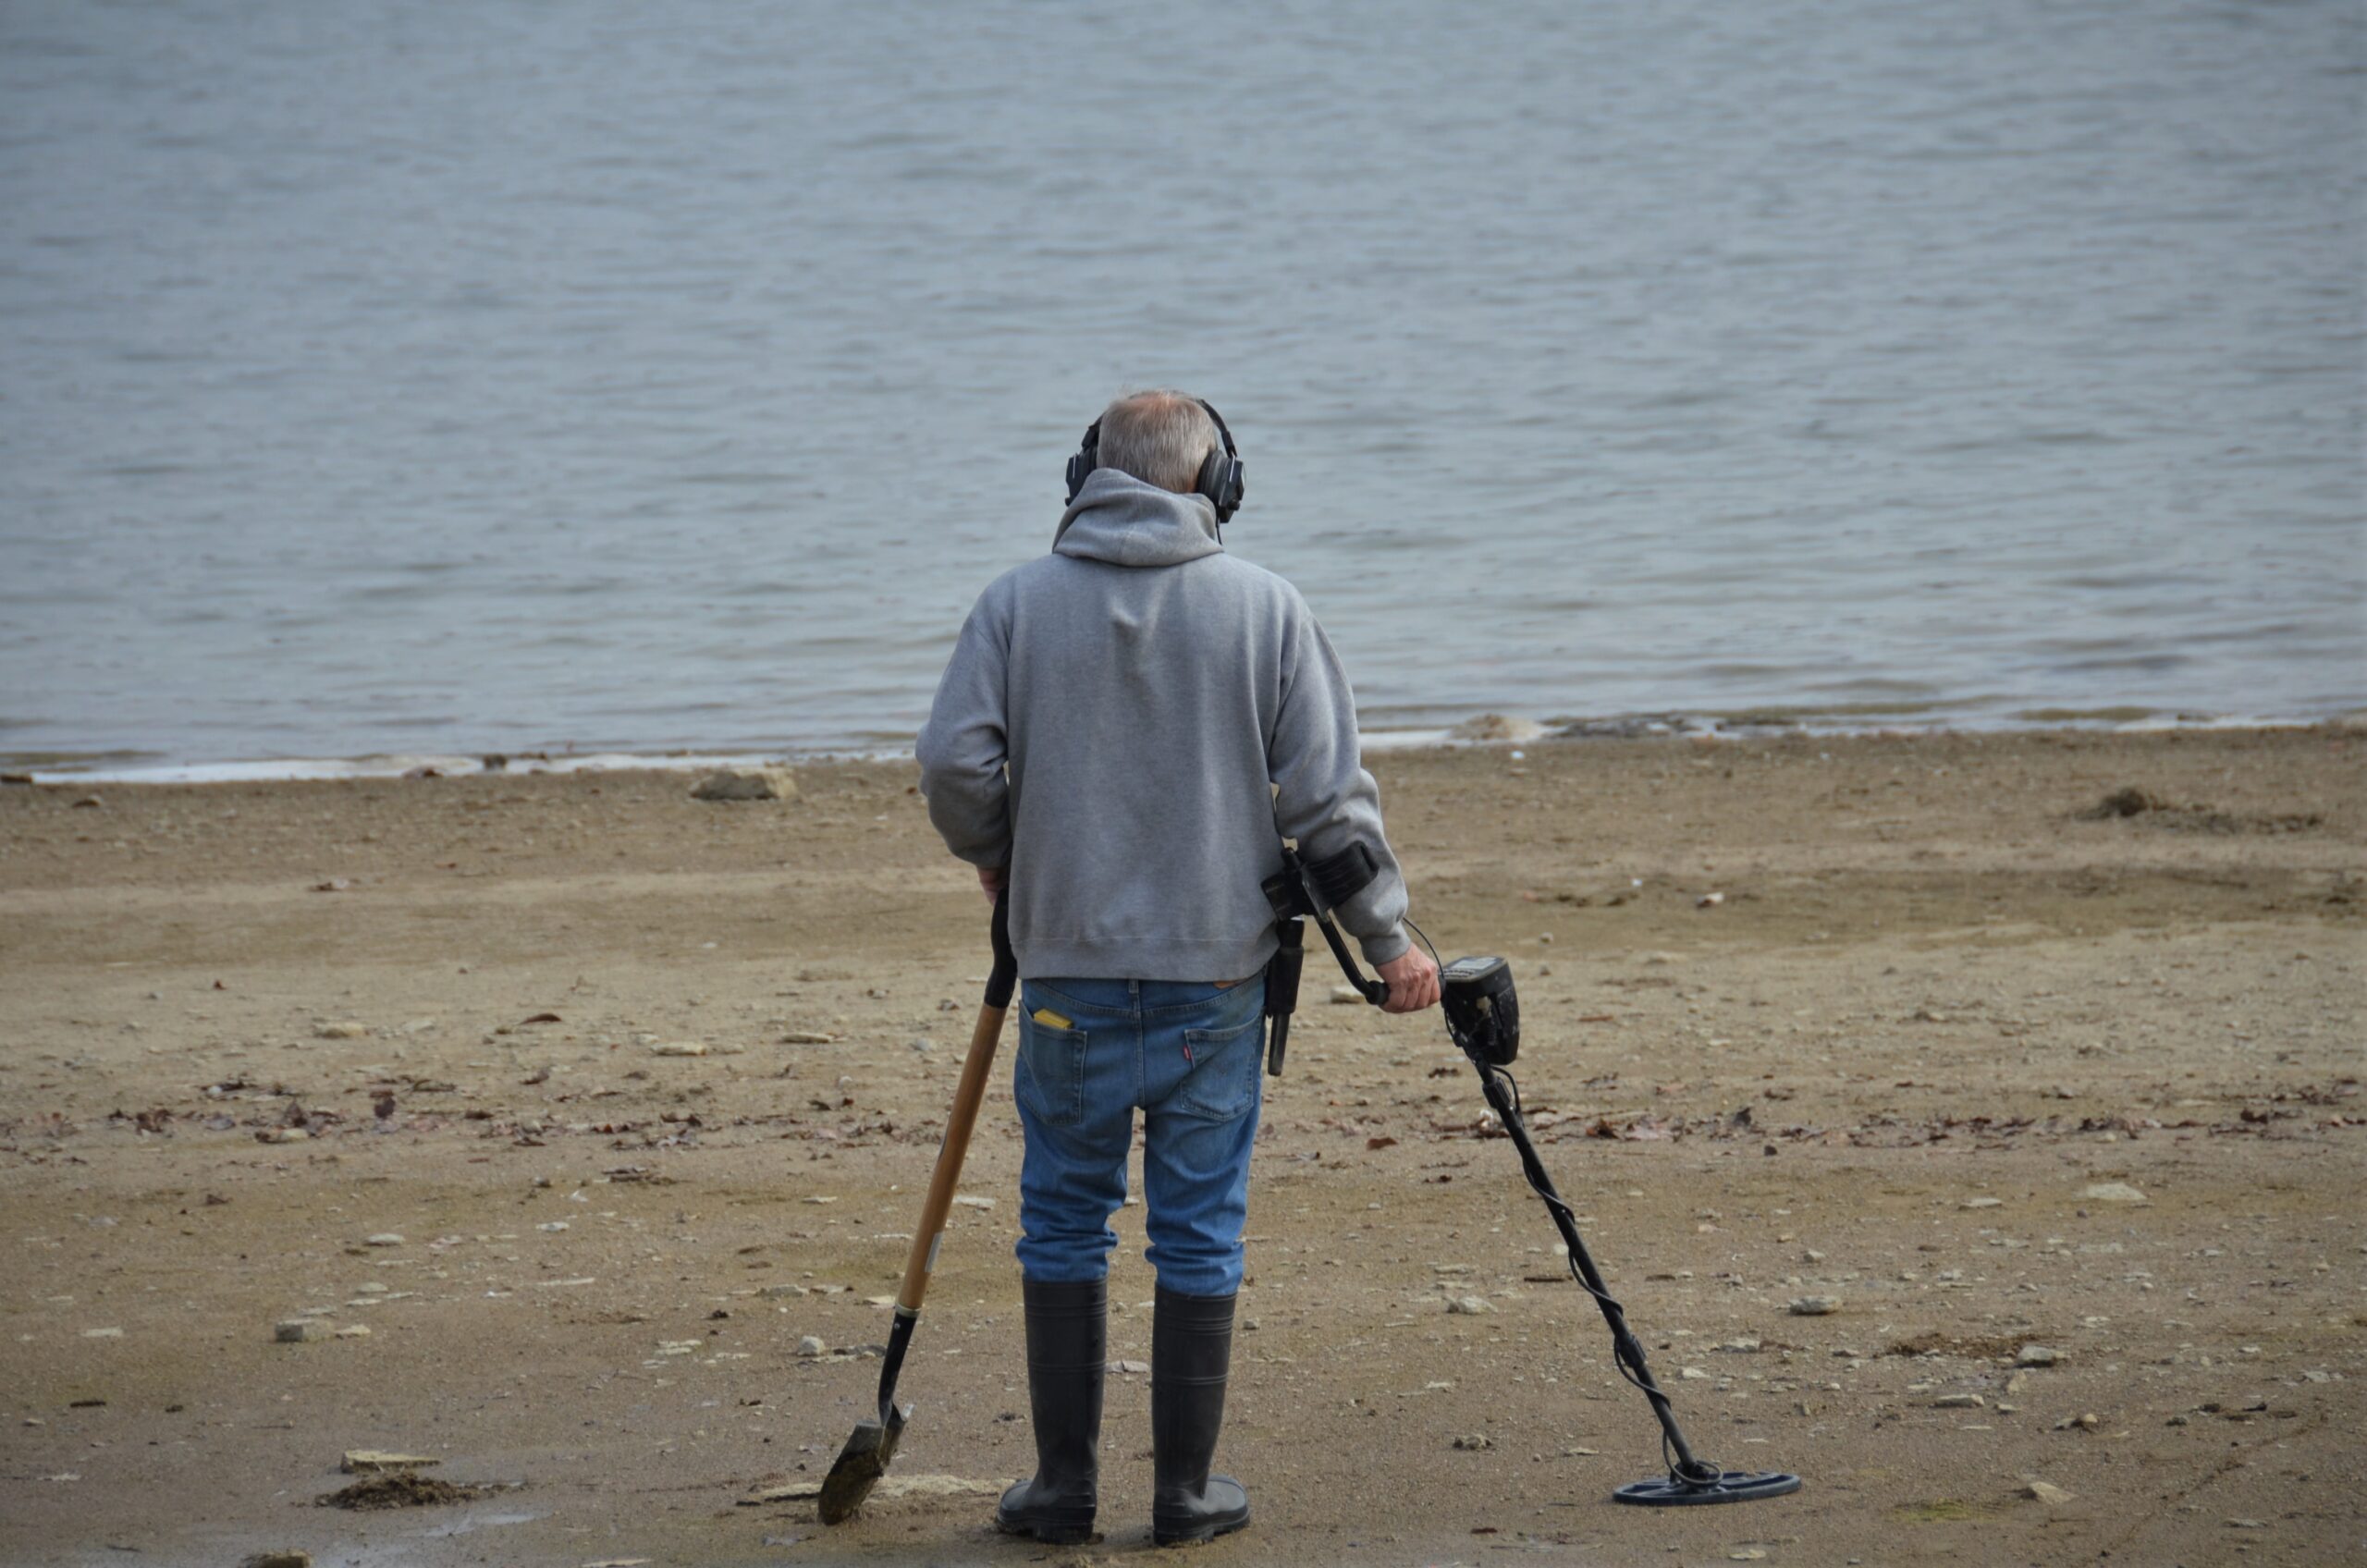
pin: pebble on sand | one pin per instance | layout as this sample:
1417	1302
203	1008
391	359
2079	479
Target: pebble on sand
384	1239
346	1029
812	1346
679	1048
2048	1493
2112	1191
1814	1306
1470	1305
277	1560
2038	1356
747	784
298	1331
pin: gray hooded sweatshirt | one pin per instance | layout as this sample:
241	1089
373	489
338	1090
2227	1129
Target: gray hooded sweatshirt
1132	724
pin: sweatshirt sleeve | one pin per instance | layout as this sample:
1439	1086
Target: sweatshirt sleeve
1325	799
962	748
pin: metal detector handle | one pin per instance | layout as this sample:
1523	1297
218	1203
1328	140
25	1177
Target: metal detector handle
1373	991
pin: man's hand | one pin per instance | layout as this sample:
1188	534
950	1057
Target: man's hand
1413	977
992	879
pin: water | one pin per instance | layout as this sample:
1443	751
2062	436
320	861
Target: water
445	376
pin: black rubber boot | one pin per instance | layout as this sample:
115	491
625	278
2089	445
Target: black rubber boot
1191	1354
1067	1345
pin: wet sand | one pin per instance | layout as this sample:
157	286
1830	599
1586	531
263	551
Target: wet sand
1990	1073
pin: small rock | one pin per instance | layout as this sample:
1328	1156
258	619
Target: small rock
384	1239
354	1331
747	784
1709	900
812	1346
1692	1374
1814	1306
1959	1401
778	1291
967	1201
1473	1306
298	1331
103	1333
2037	1355
1497	727
1346	996
346	1029
2114	1191
807	1037
371	1461
282	1135
1747	1554
1132	1368
1473	1442
277	1560
2247	1525
1981	1202
679	1048
2047	1492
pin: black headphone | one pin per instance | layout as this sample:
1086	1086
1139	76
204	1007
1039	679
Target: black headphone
1220	476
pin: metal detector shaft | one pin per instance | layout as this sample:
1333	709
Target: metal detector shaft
1624	1345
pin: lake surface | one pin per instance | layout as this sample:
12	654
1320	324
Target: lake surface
450	377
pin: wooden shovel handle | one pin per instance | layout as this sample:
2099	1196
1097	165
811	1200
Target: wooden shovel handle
967	1096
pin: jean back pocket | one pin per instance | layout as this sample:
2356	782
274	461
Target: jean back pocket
1223	1083
1051	1072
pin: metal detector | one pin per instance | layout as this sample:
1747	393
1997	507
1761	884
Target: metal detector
1483	1018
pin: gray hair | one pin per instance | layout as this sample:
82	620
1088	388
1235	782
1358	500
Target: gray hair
1161	437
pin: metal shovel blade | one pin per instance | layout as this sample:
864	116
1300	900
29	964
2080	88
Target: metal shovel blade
860	1465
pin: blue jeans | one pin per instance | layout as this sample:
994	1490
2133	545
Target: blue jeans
1189	1055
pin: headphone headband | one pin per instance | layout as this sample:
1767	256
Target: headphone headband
1221	480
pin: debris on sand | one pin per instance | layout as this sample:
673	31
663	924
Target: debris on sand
1473	1442
747	784
373	1461
405	1488
2037	1355
298	1331
2048	1493
2112	1191
2130	802
1814	1306
889	1489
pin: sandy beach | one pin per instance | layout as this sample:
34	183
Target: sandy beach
574	1115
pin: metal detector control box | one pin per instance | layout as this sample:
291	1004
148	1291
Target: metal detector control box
1482	1010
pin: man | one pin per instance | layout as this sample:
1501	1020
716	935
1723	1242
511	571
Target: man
1128	730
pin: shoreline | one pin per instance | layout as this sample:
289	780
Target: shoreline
1482	730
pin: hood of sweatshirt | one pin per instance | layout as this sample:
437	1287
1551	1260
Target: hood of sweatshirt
1127	521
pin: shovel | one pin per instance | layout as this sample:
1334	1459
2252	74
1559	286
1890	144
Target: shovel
865	1458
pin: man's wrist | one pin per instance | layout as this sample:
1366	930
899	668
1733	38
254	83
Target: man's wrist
1386	949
